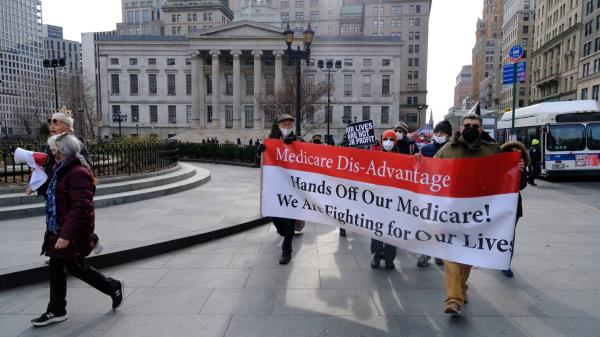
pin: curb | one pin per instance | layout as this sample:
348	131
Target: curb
221	162
39	272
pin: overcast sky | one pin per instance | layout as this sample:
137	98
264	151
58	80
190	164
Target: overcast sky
451	37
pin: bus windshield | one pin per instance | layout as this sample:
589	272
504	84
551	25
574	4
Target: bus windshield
566	138
593	136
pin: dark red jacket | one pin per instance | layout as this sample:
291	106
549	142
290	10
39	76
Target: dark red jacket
74	211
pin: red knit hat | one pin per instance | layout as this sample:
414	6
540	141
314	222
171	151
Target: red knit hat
389	134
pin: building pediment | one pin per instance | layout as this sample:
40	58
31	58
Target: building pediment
241	29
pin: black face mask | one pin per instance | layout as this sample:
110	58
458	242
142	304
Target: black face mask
470	134
317	141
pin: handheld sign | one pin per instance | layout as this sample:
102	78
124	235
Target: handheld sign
515	53
361	134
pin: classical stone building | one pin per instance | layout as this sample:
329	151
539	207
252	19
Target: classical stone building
556	50
588	85
167	85
517	29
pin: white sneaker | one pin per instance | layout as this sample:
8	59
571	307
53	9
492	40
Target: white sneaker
98	248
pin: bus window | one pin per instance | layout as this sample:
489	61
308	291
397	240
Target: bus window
566	138
593	136
501	136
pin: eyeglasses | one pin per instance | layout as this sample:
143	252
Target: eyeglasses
54	121
474	126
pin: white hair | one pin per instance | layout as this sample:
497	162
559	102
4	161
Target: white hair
67	145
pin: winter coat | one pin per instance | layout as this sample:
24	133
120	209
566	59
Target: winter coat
49	167
456	147
430	150
535	154
406	146
74	212
508	147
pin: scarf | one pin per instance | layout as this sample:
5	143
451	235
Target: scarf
51	218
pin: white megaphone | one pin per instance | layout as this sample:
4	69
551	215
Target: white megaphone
35	161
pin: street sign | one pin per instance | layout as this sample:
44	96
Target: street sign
508	69
515	53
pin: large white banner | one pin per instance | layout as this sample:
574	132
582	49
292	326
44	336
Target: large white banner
462	210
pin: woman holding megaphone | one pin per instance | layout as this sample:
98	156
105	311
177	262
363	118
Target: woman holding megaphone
69	236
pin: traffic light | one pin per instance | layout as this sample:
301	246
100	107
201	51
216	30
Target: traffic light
46	64
61	62
54	63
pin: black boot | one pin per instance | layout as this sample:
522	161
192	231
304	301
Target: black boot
286	257
376	261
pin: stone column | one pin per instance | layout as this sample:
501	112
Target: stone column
195	89
237	104
201	91
216	89
278	68
258	115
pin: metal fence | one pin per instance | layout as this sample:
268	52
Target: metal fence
245	155
110	159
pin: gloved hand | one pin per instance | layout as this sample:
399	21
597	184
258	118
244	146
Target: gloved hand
261	148
288	140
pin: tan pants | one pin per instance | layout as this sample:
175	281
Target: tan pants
456	277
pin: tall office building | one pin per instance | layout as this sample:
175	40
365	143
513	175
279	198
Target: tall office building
486	62
141	17
588	86
462	89
556	50
517	29
24	93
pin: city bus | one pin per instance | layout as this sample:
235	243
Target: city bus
569	135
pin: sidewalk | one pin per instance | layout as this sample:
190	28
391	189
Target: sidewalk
235	287
230	198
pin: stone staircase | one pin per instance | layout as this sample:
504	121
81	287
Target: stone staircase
112	191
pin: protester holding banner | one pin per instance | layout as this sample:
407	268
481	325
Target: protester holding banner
403	143
284	130
509	147
469	142
381	250
69	235
441	135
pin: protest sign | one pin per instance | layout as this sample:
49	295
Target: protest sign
461	210
360	134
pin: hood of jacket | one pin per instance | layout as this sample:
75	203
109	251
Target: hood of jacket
511	146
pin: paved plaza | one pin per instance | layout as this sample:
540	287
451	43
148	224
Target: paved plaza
235	287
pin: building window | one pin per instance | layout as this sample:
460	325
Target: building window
135	113
228	84
133	84
249	85
366	113
116	111
133	61
209	114
385	85
385	62
151	61
188	114
270	84
595	92
299	3
367	62
412	118
114	84
249	114
188	84
209	84
171	85
347	85
347	62
366	85
152	84
347	114
229	116
172	114
584	93
385	115
113	61
153	114
170	62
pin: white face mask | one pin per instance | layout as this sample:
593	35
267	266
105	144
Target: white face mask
399	135
285	132
440	139
388	145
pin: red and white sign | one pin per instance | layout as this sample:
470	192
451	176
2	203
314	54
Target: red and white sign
462	210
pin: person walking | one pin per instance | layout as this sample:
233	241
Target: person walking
509	147
441	135
380	250
535	155
469	142
284	130
69	236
